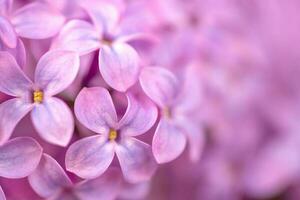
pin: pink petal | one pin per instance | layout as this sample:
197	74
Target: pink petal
56	70
19	157
54	121
90	157
18	52
136	160
48	178
94	108
37	21
64	195
7	33
5	7
2	195
168	141
140	116
105	187
11	112
159	84
79	36
13	81
119	65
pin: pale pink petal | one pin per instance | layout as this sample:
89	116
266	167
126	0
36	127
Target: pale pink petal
2	195
37	21
48	178
56	70
119	65
168	142
54	121
90	157
94	108
64	195
140	116
159	84
7	33
79	36
136	160
19	157
13	81
18	52
11	112
5	7
135	191
105	187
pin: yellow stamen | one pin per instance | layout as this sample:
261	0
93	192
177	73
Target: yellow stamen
112	134
38	96
166	112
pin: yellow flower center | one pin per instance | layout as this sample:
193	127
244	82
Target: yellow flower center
112	134
38	96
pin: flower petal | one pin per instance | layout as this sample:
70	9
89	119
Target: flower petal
159	84
11	112
18	52
94	108
136	160
105	187
37	21
79	36
7	33
13	81
56	70
5	7
140	116
119	65
48	178
89	157
19	157
2	195
168	141
54	121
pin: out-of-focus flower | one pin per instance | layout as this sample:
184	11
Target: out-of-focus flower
91	156
51	117
50	181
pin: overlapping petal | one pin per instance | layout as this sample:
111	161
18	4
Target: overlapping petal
56	70
19	157
18	52
159	84
119	65
94	108
37	21
90	157
136	160
54	121
7	33
48	178
140	116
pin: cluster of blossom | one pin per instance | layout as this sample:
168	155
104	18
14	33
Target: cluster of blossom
140	99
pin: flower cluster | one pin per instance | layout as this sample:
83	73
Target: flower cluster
140	99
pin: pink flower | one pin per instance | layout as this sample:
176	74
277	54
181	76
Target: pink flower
50	181
91	156
51	117
177	124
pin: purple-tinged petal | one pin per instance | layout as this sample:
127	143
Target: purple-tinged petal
13	81
7	33
48	178
37	21
168	141
64	195
56	70
11	112
2	195
94	108
17	52
79	36
159	84
135	191
5	7
140	116
54	121
136	160
119	66
19	157
90	157
105	187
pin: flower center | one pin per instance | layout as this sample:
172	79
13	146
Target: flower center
166	112
112	134
38	96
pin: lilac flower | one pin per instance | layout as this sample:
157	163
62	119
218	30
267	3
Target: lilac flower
176	124
91	156
50	181
51	117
